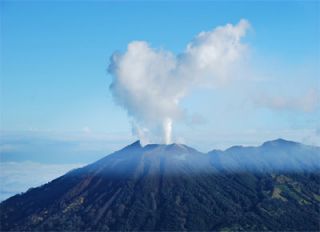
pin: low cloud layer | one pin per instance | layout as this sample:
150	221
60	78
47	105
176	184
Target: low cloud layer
18	177
149	83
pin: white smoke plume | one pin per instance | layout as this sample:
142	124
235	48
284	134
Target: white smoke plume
150	83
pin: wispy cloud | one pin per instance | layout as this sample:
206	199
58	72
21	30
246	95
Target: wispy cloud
309	102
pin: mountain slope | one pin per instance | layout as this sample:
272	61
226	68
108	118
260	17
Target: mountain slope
276	155
174	187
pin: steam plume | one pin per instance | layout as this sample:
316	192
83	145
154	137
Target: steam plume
150	83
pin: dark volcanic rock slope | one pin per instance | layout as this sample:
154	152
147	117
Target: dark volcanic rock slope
175	187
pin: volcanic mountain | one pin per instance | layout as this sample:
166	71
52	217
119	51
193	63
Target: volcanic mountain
174	187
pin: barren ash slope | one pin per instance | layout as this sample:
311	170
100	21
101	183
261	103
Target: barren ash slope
174	187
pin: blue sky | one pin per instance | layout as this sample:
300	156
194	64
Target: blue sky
55	56
55	84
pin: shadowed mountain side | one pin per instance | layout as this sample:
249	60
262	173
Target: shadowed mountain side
174	187
277	155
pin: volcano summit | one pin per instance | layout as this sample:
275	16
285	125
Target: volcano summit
174	187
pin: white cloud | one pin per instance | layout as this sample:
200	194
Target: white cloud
17	177
150	83
212	54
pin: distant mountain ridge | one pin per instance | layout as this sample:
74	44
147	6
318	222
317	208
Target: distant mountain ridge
275	155
159	187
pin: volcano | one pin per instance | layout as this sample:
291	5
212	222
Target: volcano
176	188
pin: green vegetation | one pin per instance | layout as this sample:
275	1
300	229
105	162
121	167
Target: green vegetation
222	202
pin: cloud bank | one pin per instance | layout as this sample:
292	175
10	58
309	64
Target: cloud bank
149	83
17	177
